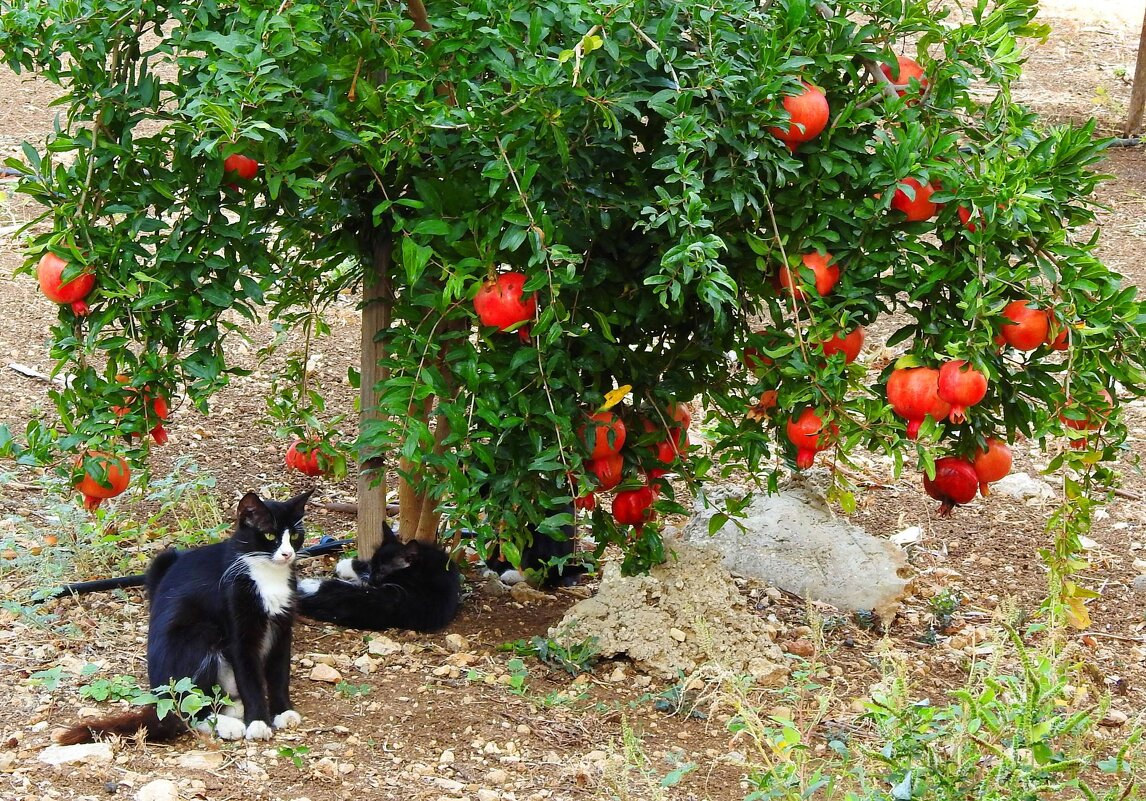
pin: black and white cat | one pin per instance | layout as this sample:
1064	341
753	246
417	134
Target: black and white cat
545	559
409	585
221	615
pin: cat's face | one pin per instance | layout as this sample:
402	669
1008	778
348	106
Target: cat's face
271	528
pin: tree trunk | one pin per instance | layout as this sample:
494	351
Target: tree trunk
1138	92
377	299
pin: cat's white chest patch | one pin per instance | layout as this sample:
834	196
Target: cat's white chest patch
272	582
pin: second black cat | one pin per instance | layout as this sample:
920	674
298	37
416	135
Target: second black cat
409	585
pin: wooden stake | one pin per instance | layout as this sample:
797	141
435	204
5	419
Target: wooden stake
377	300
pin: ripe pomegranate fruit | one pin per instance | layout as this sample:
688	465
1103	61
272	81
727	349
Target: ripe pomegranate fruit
50	273
955	483
961	385
602	435
1096	416
902	73
1058	333
587	502
634	507
104	476
826	275
809	116
807	433
155	408
1028	326
849	345
918	206
965	218
913	393
239	167
609	470
992	464
499	303
304	457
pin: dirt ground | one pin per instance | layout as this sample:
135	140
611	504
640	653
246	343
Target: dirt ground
444	716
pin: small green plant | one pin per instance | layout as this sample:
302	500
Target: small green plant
295	753
120	687
48	679
574	659
944	604
349	690
518	673
184	699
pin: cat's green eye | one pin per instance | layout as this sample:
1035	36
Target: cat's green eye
270	535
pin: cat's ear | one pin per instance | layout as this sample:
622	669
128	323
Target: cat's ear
388	535
297	504
253	513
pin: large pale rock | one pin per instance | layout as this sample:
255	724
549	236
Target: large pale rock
201	760
158	790
690	594
793	541
85	753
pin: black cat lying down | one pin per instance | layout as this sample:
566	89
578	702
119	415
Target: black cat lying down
221	615
404	586
544	556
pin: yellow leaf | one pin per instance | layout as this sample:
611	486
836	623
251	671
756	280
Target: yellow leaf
615	397
1076	614
591	43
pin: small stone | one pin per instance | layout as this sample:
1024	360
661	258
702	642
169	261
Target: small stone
381	645
677	634
524	730
7	761
1113	719
485	794
618	675
802	647
497	777
447	757
158	790
457	643
326	767
449	785
325	673
366	664
86	753
201	760
1139	584
523	593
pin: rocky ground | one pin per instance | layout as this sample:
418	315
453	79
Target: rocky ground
453	715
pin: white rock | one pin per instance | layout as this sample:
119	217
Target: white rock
325	673
86	753
1139	585
158	790
7	761
365	664
449	785
497	777
485	794
201	760
447	757
381	645
909	536
1022	486
677	634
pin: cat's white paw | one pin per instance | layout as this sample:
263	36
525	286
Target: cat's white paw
258	730
345	570
309	586
226	727
287	720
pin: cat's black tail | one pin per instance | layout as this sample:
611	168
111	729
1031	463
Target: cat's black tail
127	724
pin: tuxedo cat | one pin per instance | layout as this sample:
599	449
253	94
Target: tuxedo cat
536	558
404	586
221	615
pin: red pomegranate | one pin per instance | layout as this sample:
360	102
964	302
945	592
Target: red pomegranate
1058	334
903	72
104	476
500	302
602	435
304	457
809	116
239	167
917	206
961	385
992	464
807	433
50	273
634	507
965	218
1096	416
826	275
955	483
1028	326
586	502
155	407
849	345
913	393
609	470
